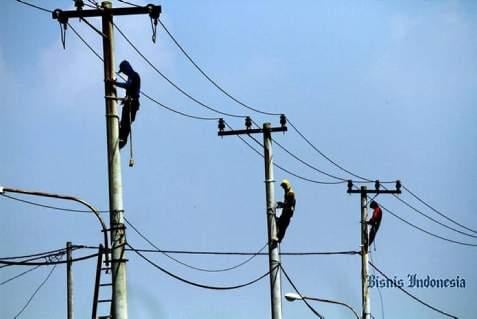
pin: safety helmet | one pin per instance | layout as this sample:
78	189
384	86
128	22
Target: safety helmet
285	184
124	66
373	204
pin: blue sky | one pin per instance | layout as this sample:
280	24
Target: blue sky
386	89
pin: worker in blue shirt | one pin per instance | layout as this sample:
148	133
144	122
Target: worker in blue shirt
130	102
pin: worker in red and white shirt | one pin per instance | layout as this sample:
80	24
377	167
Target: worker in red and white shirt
374	221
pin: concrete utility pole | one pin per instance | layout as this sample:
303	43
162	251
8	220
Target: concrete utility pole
118	233
273	246
69	281
363	191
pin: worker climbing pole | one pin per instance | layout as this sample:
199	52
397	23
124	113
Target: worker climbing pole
288	208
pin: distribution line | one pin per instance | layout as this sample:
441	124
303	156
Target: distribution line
46	263
181	48
35	292
188	265
177	87
426	231
412	296
298	292
433	219
18	276
198	284
50	206
208	77
34	6
435	210
284	169
171	109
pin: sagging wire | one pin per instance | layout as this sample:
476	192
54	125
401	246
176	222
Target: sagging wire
195	284
188	265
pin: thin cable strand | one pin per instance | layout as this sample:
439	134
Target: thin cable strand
209	78
436	211
194	283
432	219
412	296
298	292
188	265
34	6
426	231
287	170
35	292
47	263
19	275
188	95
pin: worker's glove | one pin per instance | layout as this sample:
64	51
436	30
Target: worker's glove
280	205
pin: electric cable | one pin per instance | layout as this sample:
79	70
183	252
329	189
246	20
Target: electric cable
306	163
412	296
430	218
35	292
285	169
188	95
47	263
435	210
298	292
426	231
40	255
188	265
34	6
208	77
18	276
199	285
171	109
50	206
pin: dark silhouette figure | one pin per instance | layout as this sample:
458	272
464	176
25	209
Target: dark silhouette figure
374	221
130	102
288	207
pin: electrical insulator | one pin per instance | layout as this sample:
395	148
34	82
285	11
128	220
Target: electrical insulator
377	185
283	120
350	185
248	122
221	125
79	4
398	186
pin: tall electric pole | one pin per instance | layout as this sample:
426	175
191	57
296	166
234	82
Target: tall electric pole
273	246
117	230
364	191
69	281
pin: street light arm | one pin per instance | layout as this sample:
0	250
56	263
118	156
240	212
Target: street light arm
333	302
65	197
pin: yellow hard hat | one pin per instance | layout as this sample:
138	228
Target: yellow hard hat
285	184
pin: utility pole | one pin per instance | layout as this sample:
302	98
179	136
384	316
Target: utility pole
69	280
273	246
364	191
117	229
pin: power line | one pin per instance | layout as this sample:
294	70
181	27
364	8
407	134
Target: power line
35	292
47	263
298	292
426	231
285	169
34	6
19	275
432	219
307	164
208	77
198	284
50	206
188	95
169	108
412	296
188	265
435	210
